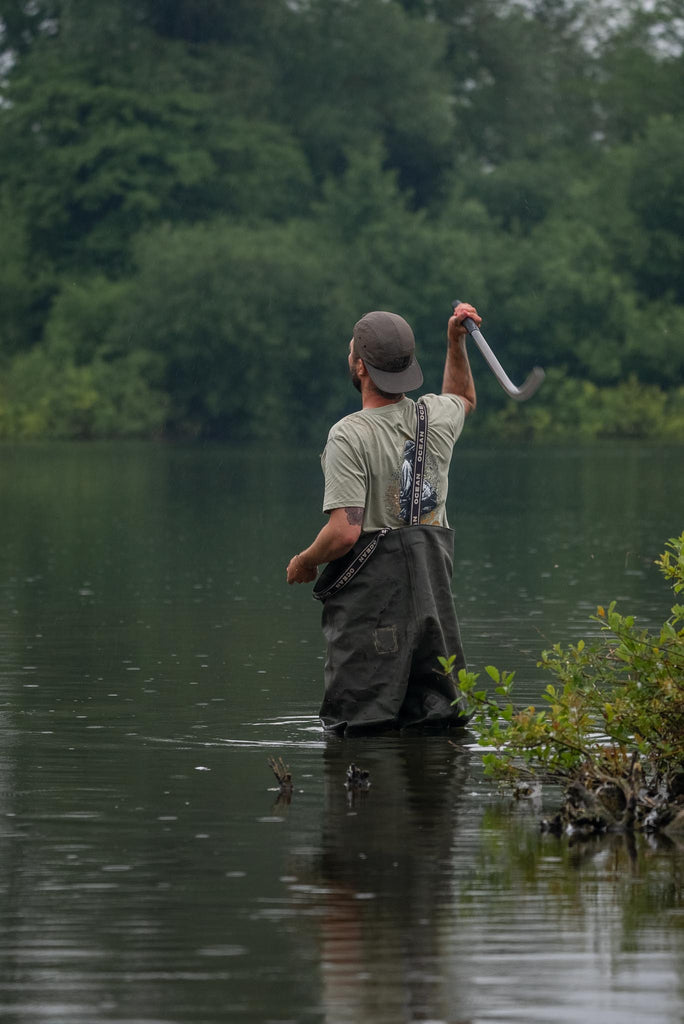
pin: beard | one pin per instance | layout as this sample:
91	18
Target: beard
355	379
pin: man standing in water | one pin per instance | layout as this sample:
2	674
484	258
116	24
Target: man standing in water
388	611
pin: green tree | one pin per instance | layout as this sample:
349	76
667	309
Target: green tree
342	155
655	195
96	155
641	71
250	322
22	296
225	21
45	396
522	79
352	71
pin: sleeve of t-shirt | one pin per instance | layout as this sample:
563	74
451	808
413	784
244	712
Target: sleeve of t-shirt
346	483
447	415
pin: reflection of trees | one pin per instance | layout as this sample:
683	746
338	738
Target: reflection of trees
614	885
382	879
428	908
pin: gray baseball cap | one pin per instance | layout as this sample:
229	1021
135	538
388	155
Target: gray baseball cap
386	344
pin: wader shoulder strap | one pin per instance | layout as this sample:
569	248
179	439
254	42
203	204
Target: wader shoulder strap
354	566
416	501
419	462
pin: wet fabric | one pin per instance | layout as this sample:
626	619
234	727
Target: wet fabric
385	631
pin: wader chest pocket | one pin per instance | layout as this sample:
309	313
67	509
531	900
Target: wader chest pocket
385	639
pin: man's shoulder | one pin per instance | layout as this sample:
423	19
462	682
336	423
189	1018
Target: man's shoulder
351	425
349	420
342	427
446	403
446	415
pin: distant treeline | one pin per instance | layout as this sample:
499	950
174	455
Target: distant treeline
198	200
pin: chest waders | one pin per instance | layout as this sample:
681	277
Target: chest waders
386	620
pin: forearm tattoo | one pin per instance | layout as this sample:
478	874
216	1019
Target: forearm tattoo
354	516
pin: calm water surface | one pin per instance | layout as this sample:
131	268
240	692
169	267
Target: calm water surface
152	659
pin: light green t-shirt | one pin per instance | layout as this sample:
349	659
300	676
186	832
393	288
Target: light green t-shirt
368	461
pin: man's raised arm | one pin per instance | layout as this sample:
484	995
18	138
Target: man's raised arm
458	378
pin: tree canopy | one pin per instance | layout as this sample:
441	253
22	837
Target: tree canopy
199	199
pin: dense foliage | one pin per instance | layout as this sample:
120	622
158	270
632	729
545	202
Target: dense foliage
197	201
612	725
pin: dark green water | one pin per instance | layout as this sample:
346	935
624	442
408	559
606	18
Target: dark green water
152	659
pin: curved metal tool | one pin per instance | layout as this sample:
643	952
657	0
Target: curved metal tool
530	385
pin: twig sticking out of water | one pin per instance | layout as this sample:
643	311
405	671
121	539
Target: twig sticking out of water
357	778
282	774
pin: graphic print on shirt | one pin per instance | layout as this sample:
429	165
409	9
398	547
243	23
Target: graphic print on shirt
429	496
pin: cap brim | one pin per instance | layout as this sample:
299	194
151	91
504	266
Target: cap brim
397	383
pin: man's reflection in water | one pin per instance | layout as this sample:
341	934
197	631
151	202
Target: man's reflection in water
384	878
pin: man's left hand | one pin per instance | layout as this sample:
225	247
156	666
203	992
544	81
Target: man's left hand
297	572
